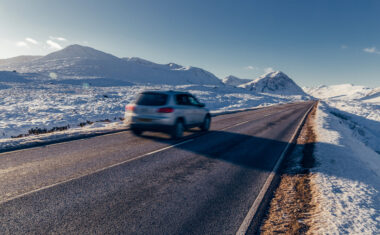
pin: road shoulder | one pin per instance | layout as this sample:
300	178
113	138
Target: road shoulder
292	204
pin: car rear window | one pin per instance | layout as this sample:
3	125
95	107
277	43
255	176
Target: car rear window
152	99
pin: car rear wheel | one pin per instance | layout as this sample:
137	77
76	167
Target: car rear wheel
178	129
206	123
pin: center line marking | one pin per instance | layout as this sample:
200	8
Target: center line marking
96	171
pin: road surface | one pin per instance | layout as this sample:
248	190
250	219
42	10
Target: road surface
123	184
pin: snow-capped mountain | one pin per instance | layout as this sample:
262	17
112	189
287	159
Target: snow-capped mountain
274	82
81	62
234	81
341	91
78	64
144	71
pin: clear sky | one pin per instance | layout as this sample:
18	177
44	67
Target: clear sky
314	42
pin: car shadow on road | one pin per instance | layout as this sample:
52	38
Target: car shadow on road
261	154
240	149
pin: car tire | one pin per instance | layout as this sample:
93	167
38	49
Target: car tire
206	123
136	131
178	130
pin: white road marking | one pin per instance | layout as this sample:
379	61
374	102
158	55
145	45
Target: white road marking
255	206
110	166
96	171
238	124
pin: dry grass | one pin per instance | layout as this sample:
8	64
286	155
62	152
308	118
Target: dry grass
292	206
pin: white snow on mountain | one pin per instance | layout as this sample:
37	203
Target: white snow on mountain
274	82
234	81
339	92
148	72
81	62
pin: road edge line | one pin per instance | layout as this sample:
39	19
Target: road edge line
260	197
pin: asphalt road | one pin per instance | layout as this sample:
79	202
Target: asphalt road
123	184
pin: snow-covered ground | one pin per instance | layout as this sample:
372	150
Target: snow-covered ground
358	106
26	106
347	175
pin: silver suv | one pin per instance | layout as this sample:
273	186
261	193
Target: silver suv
166	111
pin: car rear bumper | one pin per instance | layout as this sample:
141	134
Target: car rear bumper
166	120
151	127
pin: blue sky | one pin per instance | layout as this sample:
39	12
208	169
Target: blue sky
314	42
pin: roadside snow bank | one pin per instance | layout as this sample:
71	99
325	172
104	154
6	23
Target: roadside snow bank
347	177
361	117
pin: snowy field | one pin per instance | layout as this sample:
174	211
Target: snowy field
347	175
28	106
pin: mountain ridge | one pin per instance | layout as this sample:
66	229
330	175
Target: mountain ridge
82	62
76	64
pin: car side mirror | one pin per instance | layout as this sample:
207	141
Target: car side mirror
201	105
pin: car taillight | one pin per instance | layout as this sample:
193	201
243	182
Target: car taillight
130	108
165	110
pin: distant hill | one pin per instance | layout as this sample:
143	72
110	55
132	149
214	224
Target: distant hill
341	91
78	64
7	64
235	81
81	62
274	82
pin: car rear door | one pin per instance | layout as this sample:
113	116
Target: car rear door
185	108
197	112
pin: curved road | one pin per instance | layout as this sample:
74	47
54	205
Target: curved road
120	183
